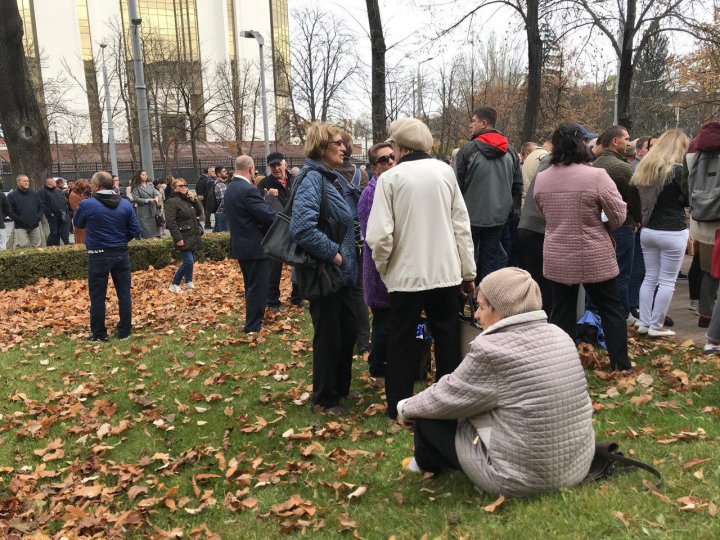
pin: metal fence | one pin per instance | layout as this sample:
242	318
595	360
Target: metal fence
126	169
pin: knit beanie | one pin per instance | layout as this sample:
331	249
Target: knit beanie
511	291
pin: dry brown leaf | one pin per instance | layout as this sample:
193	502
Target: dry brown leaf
493	506
697	461
358	493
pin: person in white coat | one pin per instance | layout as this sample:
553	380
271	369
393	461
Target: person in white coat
419	233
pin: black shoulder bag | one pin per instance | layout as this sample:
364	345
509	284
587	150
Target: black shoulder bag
609	460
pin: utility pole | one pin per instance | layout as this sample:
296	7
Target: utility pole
108	113
141	92
621	38
261	43
419	89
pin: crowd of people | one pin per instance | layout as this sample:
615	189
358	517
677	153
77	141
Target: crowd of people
411	236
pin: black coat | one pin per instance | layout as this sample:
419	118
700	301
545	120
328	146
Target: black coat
54	203
4	209
26	208
201	188
248	216
182	219
270	182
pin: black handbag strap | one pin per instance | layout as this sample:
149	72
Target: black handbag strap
470	301
608	455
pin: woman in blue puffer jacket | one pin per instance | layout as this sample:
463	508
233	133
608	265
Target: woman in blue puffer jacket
333	316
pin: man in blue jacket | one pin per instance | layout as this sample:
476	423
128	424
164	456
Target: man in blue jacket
110	223
249	217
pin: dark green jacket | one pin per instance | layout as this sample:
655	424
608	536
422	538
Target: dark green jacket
183	219
621	172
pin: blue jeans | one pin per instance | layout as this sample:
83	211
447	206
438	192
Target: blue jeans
636	275
185	270
221	224
624	250
489	252
115	263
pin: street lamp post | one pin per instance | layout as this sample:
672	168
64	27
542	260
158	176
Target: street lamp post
261	44
141	92
108	113
417	85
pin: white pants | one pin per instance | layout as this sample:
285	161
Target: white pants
663	253
28	238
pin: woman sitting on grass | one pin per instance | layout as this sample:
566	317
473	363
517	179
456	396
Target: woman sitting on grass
515	416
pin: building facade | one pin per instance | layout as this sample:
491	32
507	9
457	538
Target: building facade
202	76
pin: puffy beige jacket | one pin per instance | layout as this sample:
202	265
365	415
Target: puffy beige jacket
419	230
525	416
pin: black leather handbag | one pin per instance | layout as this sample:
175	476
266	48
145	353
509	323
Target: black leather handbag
278	243
609	461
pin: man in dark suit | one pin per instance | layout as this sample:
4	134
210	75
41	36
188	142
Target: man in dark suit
249	217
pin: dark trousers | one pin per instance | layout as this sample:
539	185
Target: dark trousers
530	258
509	240
637	274
185	270
59	230
695	277
377	360
441	307
335	331
489	252
612	313
624	252
255	275
221	224
206	207
435	445
117	265
361	312
273	299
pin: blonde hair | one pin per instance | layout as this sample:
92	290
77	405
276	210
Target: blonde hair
318	136
176	181
655	167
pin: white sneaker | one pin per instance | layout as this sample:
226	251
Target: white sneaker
712	348
632	321
642	329
694	305
660	333
174	288
189	285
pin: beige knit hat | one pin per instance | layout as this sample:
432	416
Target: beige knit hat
511	291
411	133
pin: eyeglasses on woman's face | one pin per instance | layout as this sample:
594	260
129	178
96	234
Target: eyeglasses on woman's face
337	143
181	186
383	160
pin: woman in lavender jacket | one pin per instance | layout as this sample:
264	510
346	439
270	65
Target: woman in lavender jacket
381	159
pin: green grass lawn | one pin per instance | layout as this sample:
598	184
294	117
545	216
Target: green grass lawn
201	431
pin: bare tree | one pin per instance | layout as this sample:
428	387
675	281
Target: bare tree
377	44
324	63
22	122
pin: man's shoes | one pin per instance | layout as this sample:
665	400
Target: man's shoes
377	382
712	348
337	410
681	275
174	288
632	321
660	333
189	285
354	396
694	305
668	322
300	303
275	308
703	322
95	338
124	336
642	330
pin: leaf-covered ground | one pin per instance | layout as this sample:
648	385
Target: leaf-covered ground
191	429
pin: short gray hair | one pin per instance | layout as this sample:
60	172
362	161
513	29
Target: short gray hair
103	179
243	163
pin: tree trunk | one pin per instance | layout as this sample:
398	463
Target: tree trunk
23	126
535	60
625	74
377	42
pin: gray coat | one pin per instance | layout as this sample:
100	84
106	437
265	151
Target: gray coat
525	416
142	195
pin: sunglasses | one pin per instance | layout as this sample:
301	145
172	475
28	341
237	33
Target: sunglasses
337	143
385	159
181	185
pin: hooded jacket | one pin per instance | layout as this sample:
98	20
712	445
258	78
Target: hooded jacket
26	208
109	220
490	179
707	140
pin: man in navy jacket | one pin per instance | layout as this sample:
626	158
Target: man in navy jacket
249	217
110	223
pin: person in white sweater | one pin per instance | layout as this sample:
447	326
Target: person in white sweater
419	233
515	416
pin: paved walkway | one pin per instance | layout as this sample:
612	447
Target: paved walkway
685	320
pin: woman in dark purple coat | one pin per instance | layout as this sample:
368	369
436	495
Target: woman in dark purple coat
381	159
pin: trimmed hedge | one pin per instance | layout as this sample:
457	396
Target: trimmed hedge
21	267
